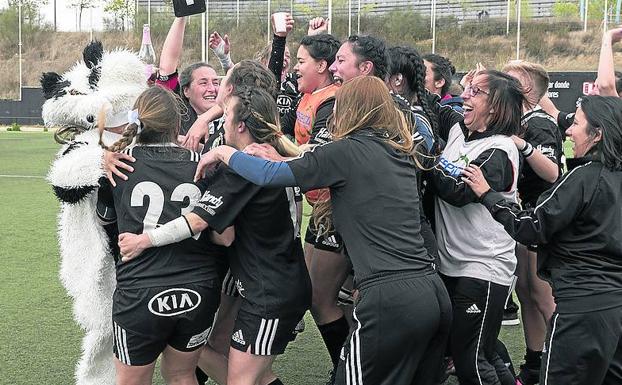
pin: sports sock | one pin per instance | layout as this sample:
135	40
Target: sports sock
201	376
334	335
533	358
276	382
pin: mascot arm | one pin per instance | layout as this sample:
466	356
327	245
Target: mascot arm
106	212
76	172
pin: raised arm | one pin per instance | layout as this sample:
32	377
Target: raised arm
277	52
606	80
172	47
222	49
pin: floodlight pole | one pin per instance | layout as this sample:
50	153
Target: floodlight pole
507	22
91	22
433	26
586	6
358	21
19	45
206	29
237	19
203	37
330	15
149	12
349	17
518	14
269	27
618	9
605	15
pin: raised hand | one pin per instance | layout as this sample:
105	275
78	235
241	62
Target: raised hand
318	25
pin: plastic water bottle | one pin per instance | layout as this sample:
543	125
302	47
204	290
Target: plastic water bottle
147	53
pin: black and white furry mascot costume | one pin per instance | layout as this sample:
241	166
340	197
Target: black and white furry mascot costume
103	81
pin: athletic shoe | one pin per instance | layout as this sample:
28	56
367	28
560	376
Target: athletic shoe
447	369
345	297
331	377
450	369
510	318
528	376
300	327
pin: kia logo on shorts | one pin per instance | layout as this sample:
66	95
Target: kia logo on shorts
172	302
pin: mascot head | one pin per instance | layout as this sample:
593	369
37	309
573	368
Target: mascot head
102	81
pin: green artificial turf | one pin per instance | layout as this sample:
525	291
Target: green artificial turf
39	342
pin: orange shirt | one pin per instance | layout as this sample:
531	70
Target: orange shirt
307	108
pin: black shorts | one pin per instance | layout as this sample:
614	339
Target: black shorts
330	241
261	336
229	287
146	320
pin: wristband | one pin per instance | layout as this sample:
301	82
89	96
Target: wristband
172	232
165	78
224	58
225	61
219	50
527	151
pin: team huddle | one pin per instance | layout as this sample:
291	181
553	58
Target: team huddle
429	202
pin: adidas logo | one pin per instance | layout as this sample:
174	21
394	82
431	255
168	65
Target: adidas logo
238	337
473	309
330	241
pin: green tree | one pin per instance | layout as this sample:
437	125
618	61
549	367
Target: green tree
30	10
122	11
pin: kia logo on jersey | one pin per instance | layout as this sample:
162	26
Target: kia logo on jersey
175	301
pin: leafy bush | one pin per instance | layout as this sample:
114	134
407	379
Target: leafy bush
14	127
565	9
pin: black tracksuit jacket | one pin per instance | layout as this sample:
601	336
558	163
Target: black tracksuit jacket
578	227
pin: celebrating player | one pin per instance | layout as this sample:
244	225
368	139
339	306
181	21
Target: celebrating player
271	276
577	225
371	154
164	301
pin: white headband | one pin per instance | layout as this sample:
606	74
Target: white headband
132	117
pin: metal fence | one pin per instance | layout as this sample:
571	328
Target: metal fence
465	9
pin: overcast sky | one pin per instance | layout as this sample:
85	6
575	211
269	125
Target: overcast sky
66	18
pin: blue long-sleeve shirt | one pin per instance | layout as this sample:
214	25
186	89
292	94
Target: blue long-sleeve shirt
262	172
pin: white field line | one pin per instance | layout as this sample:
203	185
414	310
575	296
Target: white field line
22	176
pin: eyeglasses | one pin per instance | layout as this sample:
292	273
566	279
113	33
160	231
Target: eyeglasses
474	90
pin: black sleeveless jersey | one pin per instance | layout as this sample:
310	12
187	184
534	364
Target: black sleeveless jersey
159	190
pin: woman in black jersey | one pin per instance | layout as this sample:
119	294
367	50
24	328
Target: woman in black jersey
403	313
270	274
541	149
406	77
308	123
577	225
165	300
406	74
